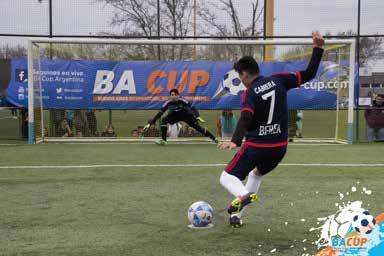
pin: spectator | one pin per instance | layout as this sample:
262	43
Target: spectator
140	130
135	133
226	124
92	123
191	132
184	130
81	123
299	124
109	131
45	130
24	123
152	132
64	129
58	115
14	112
292	124
70	115
173	130
375	119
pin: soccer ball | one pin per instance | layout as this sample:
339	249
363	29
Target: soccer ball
231	84
340	224
200	214
364	222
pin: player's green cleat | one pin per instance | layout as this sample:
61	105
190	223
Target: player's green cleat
240	202
161	142
235	222
216	141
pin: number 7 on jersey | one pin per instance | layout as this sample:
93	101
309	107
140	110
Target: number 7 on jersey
271	95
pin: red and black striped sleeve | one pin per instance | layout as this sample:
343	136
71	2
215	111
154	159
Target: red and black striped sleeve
245	121
295	79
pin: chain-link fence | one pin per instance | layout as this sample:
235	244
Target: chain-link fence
361	20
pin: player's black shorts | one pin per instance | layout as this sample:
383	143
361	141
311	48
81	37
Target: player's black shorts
265	159
177	117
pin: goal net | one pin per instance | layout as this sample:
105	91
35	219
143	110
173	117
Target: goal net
108	89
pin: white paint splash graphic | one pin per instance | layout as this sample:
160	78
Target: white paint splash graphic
366	191
338	223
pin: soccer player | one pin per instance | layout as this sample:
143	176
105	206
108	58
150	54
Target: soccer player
179	109
264	124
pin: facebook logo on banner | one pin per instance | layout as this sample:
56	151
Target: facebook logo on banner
21	75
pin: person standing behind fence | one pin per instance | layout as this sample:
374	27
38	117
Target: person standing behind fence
81	123
226	124
92	123
375	119
70	115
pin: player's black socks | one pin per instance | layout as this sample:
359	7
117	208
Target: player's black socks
204	131
164	132
210	135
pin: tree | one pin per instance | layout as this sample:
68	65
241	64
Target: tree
370	49
228	11
235	28
9	52
139	18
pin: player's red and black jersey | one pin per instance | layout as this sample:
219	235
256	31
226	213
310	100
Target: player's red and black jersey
266	100
264	117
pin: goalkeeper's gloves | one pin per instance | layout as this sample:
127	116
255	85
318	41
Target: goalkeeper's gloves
200	119
146	127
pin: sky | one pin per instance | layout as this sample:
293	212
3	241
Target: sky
292	17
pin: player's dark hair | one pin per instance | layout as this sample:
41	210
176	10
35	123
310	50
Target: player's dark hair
174	91
248	64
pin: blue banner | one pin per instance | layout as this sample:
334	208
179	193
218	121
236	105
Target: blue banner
81	84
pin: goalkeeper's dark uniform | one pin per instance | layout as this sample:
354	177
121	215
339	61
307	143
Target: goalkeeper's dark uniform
180	110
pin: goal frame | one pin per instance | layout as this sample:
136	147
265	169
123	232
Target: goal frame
35	41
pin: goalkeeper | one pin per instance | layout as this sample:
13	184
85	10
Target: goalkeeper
179	109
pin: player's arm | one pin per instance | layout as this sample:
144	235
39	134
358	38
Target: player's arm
245	120
295	79
242	126
313	65
188	105
194	110
159	114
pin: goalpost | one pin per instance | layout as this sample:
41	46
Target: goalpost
43	118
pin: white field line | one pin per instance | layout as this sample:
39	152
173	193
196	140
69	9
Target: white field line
188	143
182	165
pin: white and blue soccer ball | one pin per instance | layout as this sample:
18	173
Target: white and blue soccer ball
364	222
230	85
200	214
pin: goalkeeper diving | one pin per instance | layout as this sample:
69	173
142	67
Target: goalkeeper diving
179	109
